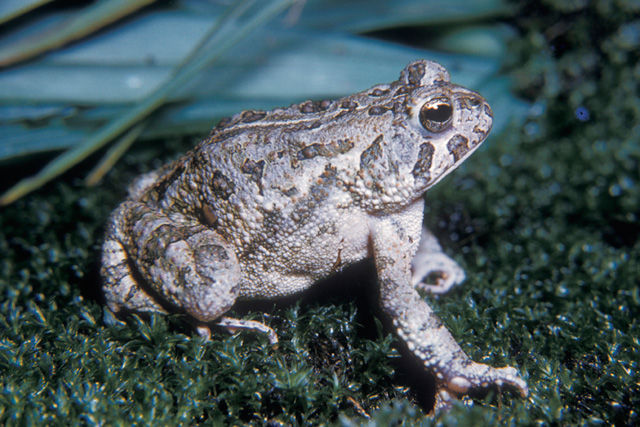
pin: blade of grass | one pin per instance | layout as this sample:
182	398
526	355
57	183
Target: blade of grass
220	42
11	9
114	153
92	19
372	15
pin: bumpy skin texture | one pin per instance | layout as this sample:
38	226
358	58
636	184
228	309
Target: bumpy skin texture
271	202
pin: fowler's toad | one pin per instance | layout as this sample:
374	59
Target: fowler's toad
273	201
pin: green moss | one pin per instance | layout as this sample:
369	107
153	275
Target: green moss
544	220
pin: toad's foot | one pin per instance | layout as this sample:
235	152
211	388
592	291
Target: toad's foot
233	325
430	260
479	375
456	374
458	385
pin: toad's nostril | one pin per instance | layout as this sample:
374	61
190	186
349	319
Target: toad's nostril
475	102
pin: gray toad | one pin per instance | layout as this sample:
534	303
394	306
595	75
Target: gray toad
273	201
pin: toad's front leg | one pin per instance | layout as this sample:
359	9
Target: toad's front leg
419	327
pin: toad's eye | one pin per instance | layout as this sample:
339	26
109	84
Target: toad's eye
436	115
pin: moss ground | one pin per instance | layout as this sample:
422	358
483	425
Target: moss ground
544	220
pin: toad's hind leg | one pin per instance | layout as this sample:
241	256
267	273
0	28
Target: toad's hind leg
120	285
153	263
429	260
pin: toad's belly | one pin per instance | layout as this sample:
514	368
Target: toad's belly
305	257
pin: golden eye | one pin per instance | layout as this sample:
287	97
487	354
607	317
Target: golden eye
436	115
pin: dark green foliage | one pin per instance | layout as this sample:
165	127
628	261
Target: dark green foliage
544	220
